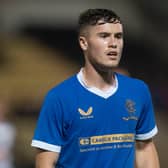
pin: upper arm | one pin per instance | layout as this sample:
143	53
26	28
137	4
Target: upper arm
146	154
143	145
49	132
146	126
48	136
46	159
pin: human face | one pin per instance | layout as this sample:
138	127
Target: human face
102	45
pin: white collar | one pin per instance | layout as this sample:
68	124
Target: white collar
105	94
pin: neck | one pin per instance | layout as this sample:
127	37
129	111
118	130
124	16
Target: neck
100	79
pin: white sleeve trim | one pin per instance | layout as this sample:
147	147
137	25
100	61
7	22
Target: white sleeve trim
45	146
148	135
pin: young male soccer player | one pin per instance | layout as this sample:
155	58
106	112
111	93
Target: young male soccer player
97	118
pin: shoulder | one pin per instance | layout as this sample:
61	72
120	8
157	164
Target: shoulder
63	88
131	83
131	80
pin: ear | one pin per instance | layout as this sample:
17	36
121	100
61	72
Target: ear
83	43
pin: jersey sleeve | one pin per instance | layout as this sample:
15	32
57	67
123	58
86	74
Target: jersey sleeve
146	126
48	133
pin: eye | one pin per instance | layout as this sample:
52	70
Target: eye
119	35
104	35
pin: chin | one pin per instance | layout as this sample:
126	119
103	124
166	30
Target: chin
113	65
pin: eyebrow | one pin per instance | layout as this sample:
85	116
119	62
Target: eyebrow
120	33
103	33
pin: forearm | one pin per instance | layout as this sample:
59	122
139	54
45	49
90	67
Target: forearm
146	155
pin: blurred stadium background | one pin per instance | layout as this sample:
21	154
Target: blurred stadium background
39	48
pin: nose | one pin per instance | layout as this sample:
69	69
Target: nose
112	42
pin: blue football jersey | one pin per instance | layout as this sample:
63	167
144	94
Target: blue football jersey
90	128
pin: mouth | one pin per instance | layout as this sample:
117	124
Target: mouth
112	54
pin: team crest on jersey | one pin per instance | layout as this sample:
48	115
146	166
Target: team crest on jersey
131	108
86	114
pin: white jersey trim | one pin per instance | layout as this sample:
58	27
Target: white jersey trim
105	94
148	135
45	146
